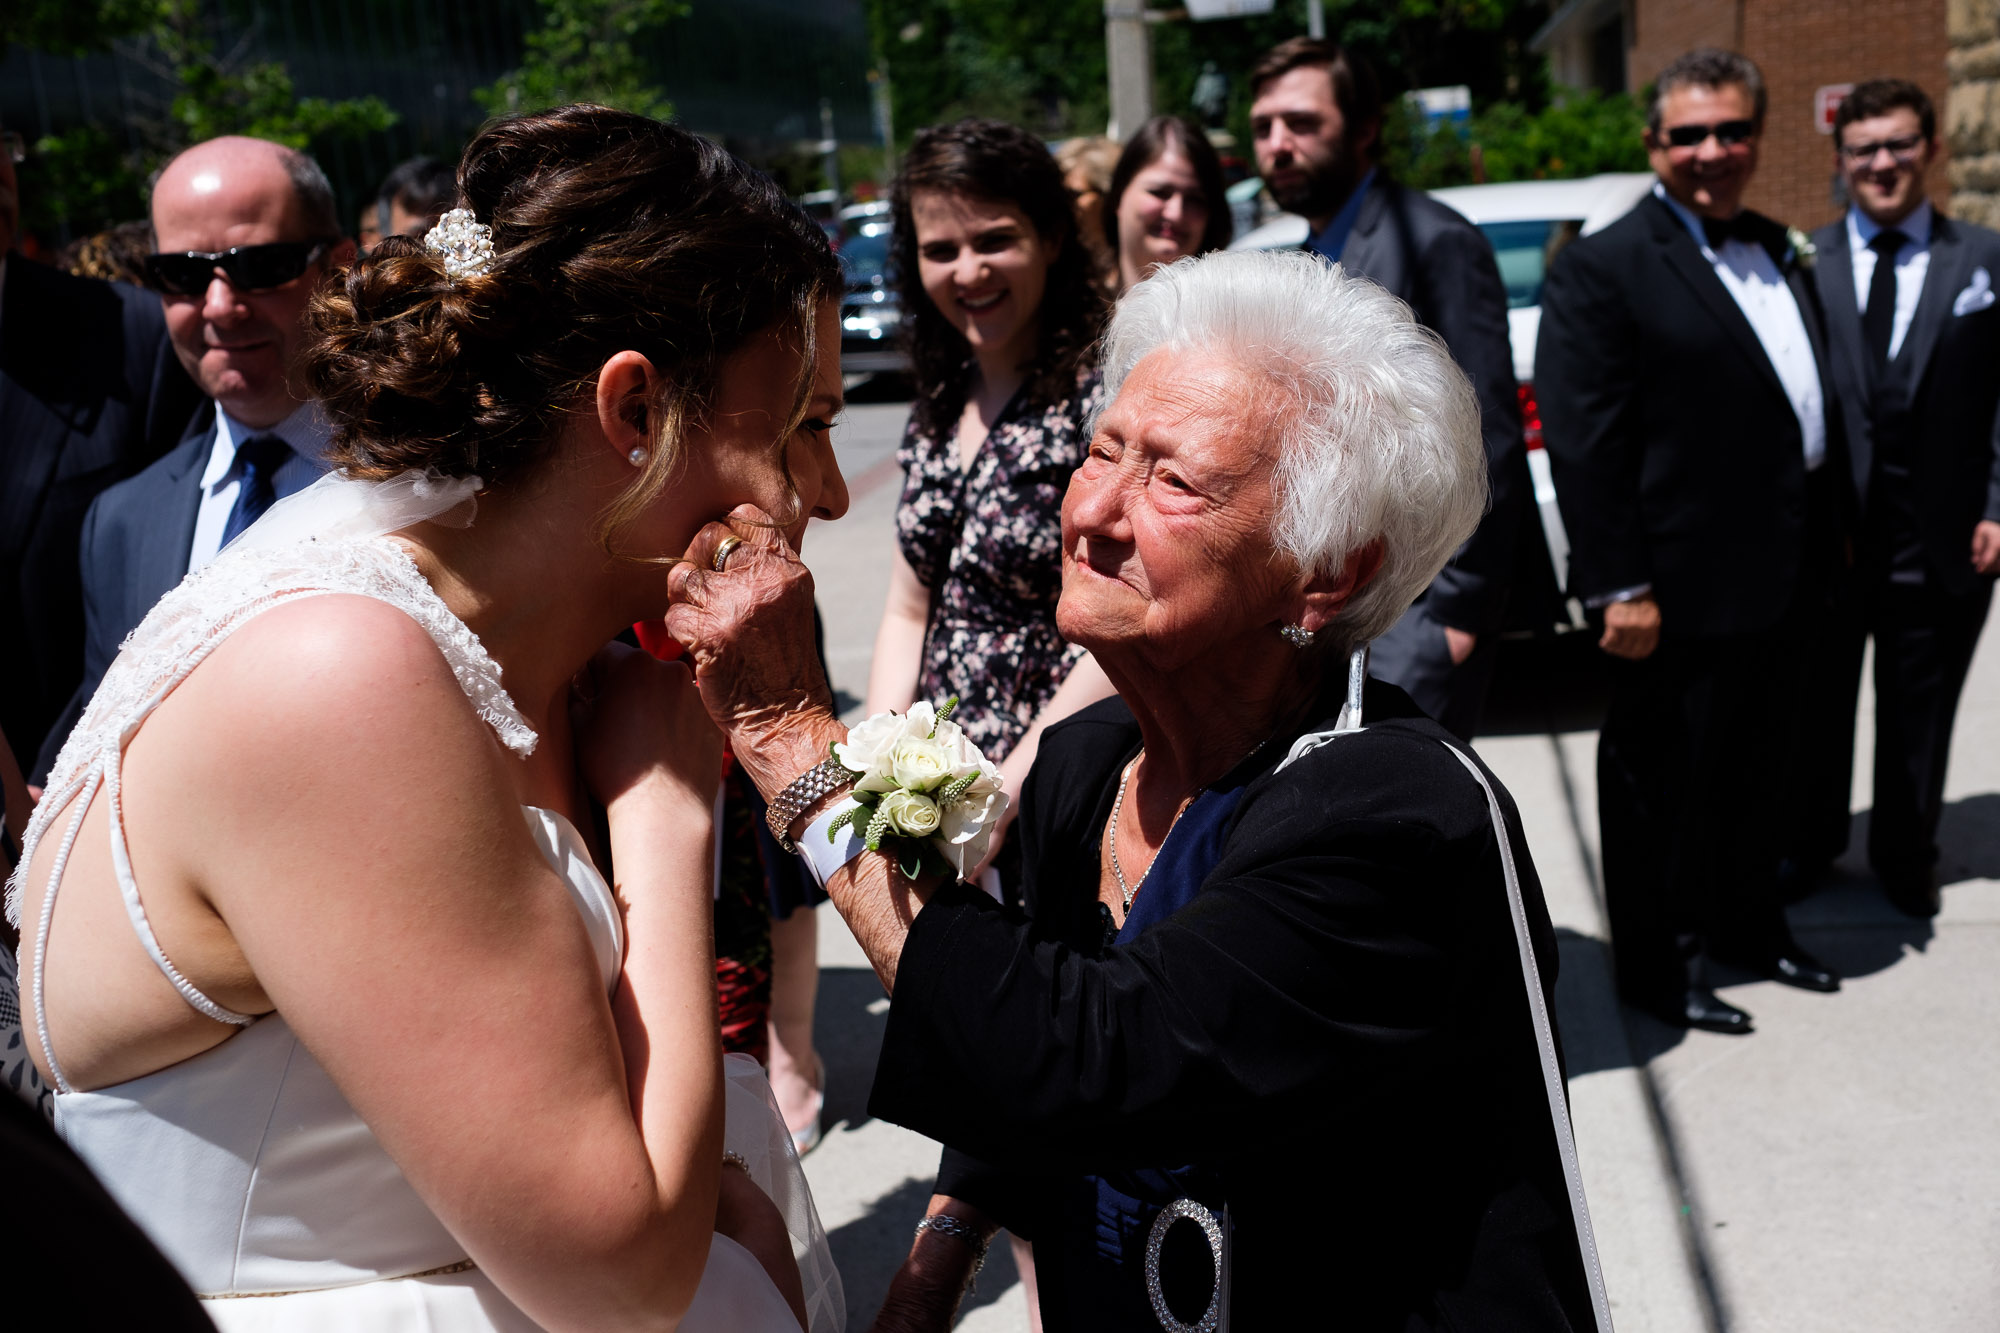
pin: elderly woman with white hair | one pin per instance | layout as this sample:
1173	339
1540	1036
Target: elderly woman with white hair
1269	1042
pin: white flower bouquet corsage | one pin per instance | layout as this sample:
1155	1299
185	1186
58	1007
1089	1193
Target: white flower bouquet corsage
923	786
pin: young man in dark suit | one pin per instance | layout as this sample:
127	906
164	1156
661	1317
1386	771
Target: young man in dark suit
1697	460
1317	119
246	232
1911	315
89	393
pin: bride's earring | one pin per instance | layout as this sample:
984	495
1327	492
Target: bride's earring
637	456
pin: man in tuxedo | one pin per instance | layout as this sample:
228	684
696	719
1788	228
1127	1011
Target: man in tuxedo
89	393
1316	116
1697	461
1915	332
246	232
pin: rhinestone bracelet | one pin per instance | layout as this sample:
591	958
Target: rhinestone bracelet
826	777
965	1231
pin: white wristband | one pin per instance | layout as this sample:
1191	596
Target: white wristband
826	857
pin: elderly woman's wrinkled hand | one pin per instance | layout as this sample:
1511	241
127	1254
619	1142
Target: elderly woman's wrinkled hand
748	628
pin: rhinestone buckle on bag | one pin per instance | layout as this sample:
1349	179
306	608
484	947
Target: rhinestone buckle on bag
1211	1227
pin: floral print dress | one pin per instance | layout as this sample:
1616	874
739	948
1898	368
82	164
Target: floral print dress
986	540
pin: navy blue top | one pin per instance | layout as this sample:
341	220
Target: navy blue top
1126	1202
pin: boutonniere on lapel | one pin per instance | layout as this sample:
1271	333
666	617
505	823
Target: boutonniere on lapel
1802	251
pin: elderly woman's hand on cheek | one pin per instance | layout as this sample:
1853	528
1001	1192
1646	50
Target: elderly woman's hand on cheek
743	606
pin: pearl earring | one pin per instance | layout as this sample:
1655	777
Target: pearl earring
638	456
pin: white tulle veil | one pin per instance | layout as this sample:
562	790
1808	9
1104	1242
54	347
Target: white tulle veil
338	508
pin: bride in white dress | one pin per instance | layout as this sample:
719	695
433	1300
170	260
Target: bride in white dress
326	979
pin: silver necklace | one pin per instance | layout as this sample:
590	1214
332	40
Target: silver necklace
1130	891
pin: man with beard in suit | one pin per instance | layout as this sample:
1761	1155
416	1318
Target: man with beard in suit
246	232
1687	414
1316	116
89	393
1915	332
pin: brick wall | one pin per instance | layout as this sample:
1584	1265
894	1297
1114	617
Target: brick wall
1802	45
1973	119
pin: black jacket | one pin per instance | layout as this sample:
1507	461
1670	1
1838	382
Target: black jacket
1429	256
1676	454
90	392
1944	385
1336	1027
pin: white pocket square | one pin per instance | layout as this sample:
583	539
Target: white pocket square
1978	294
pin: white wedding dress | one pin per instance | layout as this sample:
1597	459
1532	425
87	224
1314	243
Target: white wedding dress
245	1164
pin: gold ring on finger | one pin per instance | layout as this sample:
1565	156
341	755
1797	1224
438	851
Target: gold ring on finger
723	551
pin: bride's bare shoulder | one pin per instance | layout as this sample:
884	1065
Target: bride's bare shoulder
327	676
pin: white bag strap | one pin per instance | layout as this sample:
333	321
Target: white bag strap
1545	1044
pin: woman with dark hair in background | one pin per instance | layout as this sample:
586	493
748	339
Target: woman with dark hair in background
1002	315
1166	200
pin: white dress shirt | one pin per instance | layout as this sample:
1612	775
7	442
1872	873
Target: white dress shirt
1913	261
306	430
1753	280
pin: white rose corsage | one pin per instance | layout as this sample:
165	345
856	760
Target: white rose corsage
922	788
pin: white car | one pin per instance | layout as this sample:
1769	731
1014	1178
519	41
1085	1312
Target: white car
1528	222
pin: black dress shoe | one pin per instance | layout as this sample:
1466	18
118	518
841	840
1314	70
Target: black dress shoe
1796	967
1914	895
1789	964
1702	1008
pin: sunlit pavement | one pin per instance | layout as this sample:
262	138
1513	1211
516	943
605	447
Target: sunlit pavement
1838	1170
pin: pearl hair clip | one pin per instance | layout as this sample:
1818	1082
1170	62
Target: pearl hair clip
463	242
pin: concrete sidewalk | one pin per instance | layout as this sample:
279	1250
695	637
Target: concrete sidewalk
1838	1170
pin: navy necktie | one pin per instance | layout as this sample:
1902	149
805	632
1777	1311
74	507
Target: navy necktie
261	457
1878	321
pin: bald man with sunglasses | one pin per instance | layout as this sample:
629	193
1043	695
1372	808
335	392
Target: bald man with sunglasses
1698	459
246	232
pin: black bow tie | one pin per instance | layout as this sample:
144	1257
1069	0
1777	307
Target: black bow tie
1720	231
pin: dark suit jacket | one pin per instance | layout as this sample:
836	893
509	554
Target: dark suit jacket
134	551
1429	256
90	392
1944	385
1677	456
1335	1028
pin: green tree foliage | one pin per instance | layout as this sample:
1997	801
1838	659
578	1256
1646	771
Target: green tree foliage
1578	134
88	178
69	28
583	52
217	95
1042	65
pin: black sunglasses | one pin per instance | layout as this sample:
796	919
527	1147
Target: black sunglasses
1728	133
249	268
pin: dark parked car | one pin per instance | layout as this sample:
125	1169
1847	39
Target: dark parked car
871	315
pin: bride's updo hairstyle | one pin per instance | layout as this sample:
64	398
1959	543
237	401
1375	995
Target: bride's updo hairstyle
611	231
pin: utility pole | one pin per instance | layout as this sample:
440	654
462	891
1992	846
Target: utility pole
829	148
1129	51
885	123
